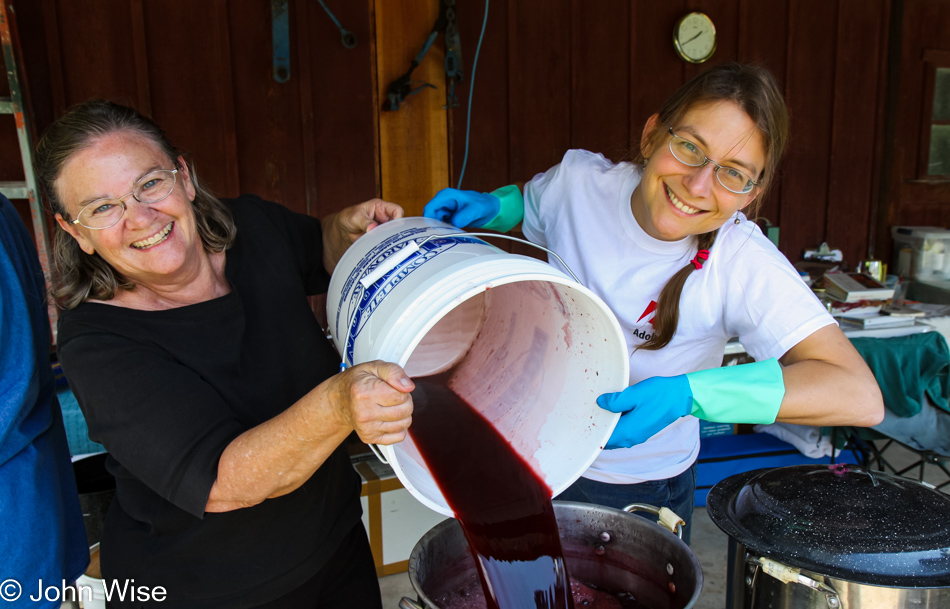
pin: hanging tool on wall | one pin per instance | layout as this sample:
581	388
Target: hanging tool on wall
346	36
402	87
280	37
280	40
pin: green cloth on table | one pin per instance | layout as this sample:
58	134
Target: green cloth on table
907	368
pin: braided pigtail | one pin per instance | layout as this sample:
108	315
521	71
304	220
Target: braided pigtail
668	305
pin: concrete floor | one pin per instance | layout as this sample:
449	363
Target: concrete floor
708	543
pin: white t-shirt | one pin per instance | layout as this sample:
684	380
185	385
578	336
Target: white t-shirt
580	209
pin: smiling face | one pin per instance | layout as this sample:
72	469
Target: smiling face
673	200
152	244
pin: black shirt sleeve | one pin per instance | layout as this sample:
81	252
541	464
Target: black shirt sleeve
303	235
157	417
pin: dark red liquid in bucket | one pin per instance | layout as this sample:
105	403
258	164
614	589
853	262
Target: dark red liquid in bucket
504	508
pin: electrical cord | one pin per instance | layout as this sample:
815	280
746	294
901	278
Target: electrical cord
471	90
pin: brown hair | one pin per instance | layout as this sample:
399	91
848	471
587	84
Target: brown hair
78	276
756	92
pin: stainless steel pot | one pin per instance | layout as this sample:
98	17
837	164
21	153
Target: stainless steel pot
604	547
757	582
833	537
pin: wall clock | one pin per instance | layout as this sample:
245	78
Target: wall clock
694	37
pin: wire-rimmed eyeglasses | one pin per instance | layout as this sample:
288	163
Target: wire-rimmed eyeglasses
688	153
104	213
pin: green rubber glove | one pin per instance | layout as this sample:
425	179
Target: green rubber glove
500	210
749	393
511	211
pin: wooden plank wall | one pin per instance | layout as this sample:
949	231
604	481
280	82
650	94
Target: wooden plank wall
414	138
551	75
587	75
203	71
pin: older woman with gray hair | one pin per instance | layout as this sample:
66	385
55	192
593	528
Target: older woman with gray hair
190	345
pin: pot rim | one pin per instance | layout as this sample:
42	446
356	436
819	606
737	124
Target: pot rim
561	508
817	518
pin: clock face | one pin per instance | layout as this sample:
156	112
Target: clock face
695	38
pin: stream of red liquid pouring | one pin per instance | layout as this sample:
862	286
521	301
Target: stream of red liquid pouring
503	506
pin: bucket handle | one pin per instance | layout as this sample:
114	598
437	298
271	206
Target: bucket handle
378	453
412	247
407	603
510	238
668	519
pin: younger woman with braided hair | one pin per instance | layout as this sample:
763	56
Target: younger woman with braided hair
666	243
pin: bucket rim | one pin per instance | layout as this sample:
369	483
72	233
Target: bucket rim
545	273
398	347
409	320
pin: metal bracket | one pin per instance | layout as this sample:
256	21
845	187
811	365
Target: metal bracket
280	39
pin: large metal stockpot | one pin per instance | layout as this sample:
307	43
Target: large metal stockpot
833	537
603	547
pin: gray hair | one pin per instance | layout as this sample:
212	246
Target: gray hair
78	276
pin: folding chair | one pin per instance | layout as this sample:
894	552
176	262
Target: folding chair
913	373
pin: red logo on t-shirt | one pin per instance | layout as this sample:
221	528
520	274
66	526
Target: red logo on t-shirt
650	309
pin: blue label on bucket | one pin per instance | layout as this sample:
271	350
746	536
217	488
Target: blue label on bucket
363	301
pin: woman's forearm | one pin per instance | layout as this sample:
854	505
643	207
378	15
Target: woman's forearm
279	455
827	383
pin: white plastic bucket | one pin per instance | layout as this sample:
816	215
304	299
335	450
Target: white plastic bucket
531	348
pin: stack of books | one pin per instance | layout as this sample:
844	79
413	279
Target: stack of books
855	287
891	316
862	302
874	320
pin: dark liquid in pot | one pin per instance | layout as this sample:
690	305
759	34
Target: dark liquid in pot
504	508
466	593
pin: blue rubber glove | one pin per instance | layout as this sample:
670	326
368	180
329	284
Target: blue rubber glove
647	407
749	393
462	208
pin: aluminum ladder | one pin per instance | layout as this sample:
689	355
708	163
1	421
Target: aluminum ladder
16	105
